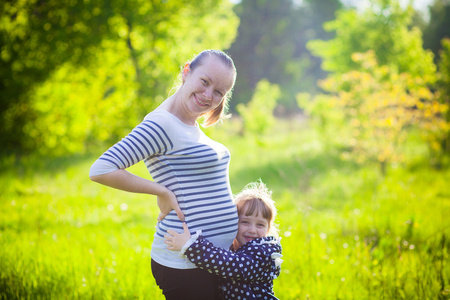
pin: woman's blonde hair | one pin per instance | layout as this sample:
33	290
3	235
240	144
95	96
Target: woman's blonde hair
257	197
220	112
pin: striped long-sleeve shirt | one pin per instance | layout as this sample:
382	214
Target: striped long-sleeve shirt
190	164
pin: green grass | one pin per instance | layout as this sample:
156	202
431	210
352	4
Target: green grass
347	231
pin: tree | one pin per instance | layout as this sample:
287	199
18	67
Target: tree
372	100
374	109
384	29
139	44
36	37
258	115
438	27
271	45
443	90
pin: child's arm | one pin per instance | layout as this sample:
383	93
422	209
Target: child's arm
253	263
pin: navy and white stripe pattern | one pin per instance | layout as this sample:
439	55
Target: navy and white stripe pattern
186	161
146	140
198	176
246	273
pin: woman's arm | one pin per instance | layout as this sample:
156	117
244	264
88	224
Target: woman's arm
123	180
144	141
126	181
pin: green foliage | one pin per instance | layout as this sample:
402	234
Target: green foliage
347	232
37	37
257	115
117	55
443	86
271	44
77	106
375	101
377	109
383	29
438	27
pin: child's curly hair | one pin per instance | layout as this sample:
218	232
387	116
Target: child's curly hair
257	197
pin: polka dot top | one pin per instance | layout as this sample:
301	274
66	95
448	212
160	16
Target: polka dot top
246	273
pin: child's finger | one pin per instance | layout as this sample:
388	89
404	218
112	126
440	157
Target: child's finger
185	228
171	232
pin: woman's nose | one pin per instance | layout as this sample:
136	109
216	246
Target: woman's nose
207	94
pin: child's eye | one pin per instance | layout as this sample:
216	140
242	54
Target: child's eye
204	81
219	93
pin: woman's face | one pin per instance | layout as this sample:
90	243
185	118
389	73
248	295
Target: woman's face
205	87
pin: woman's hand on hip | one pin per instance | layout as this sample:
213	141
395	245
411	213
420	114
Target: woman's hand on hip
166	202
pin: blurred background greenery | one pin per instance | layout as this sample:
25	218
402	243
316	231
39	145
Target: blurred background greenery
75	74
341	107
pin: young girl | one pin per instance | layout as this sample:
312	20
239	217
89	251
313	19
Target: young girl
247	271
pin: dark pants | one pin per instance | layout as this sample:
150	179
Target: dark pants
185	284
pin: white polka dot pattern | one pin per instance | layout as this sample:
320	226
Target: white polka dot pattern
246	273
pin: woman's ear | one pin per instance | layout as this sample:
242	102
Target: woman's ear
185	72
186	69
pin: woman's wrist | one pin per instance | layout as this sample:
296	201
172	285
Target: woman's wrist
158	190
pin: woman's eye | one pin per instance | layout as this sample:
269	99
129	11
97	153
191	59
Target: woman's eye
204	81
219	93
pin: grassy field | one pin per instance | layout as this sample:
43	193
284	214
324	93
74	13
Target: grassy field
347	231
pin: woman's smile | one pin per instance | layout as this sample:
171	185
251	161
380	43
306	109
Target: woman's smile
200	102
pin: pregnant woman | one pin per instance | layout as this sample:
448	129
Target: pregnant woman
189	171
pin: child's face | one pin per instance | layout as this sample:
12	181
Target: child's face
250	228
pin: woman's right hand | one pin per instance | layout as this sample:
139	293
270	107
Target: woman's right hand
166	202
